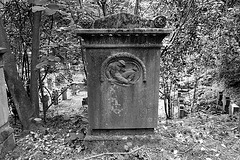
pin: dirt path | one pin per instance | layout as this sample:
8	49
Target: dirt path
70	107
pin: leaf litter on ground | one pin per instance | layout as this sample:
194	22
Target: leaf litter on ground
198	136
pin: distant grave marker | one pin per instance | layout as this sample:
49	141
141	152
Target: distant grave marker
227	105
50	83
64	93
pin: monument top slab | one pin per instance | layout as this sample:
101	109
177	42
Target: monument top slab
124	31
124	24
126	20
122	21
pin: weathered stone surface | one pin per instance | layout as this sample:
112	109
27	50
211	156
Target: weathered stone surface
126	20
7	141
115	102
123	20
123	62
7	145
85	21
5	134
4	113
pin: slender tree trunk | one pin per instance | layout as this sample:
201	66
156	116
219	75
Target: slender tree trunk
136	9
239	122
34	61
14	82
169	106
165	99
170	101
80	3
104	7
165	107
41	86
194	97
194	94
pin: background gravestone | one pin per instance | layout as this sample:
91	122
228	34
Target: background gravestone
123	65
7	141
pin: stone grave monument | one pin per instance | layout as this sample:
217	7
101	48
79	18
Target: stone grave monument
7	141
123	64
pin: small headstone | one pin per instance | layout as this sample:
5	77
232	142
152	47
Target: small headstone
64	93
227	105
220	98
74	89
50	83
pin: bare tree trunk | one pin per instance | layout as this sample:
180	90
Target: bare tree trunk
194	96
14	82
169	106
165	98
136	9
170	101
80	3
103	5
34	61
239	122
165	107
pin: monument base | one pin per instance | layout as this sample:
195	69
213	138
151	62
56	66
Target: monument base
138	131
118	143
7	140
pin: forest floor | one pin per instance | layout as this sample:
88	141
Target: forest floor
200	136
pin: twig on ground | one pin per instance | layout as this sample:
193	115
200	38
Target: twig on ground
114	153
191	148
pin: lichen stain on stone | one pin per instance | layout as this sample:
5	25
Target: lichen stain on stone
113	103
123	20
116	107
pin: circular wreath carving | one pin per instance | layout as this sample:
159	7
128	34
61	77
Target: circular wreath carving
123	69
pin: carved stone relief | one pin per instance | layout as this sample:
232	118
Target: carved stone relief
160	22
123	69
126	20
